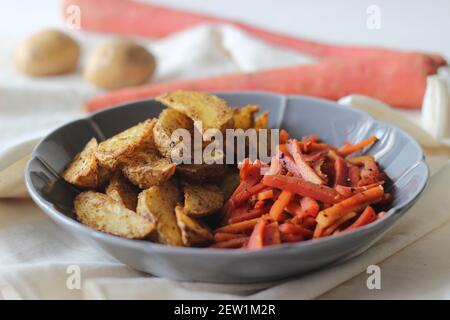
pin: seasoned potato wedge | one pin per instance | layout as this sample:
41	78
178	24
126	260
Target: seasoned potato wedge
170	120
262	121
201	200
207	111
123	145
244	117
84	170
202	172
193	232
121	190
157	204
99	211
229	183
147	168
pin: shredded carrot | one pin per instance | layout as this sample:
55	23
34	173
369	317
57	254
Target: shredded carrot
326	217
223	236
284	136
280	204
264	195
360	160
347	150
256	240
309	190
231	243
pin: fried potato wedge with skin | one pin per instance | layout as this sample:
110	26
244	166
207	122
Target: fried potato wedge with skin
157	204
99	211
202	172
170	120
262	121
193	232
84	170
147	168
201	200
229	183
207	111
123	145
122	190
244	117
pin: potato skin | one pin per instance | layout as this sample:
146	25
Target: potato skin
122	190
46	53
147	168
193	232
118	64
84	170
125	144
98	211
168	121
201	200
207	111
202	172
244	117
157	204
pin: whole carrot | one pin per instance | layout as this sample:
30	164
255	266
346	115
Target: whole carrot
399	82
145	19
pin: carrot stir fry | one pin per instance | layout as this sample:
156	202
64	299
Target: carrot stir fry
308	191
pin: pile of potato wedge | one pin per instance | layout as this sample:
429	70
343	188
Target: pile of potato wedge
130	187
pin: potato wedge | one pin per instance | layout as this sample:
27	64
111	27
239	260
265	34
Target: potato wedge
84	170
207	111
99	211
202	172
193	232
201	200
147	168
121	190
229	183
157	204
262	121
170	120
123	145
244	117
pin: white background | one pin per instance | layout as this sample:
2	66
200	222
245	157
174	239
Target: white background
409	24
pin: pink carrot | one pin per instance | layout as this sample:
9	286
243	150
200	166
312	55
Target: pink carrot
399	82
145	19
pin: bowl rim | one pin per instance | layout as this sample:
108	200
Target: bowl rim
76	226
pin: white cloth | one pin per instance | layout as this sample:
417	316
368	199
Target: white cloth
35	253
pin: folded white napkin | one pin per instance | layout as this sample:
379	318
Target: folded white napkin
35	254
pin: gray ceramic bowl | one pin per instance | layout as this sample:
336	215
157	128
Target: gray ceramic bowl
399	155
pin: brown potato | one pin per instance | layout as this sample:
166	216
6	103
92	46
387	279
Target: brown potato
84	170
193	232
229	183
262	121
202	172
157	204
118	64
47	52
201	200
244	117
121	190
102	213
207	111
170	120
147	168
111	152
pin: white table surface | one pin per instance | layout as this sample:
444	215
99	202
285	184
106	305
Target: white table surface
407	24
